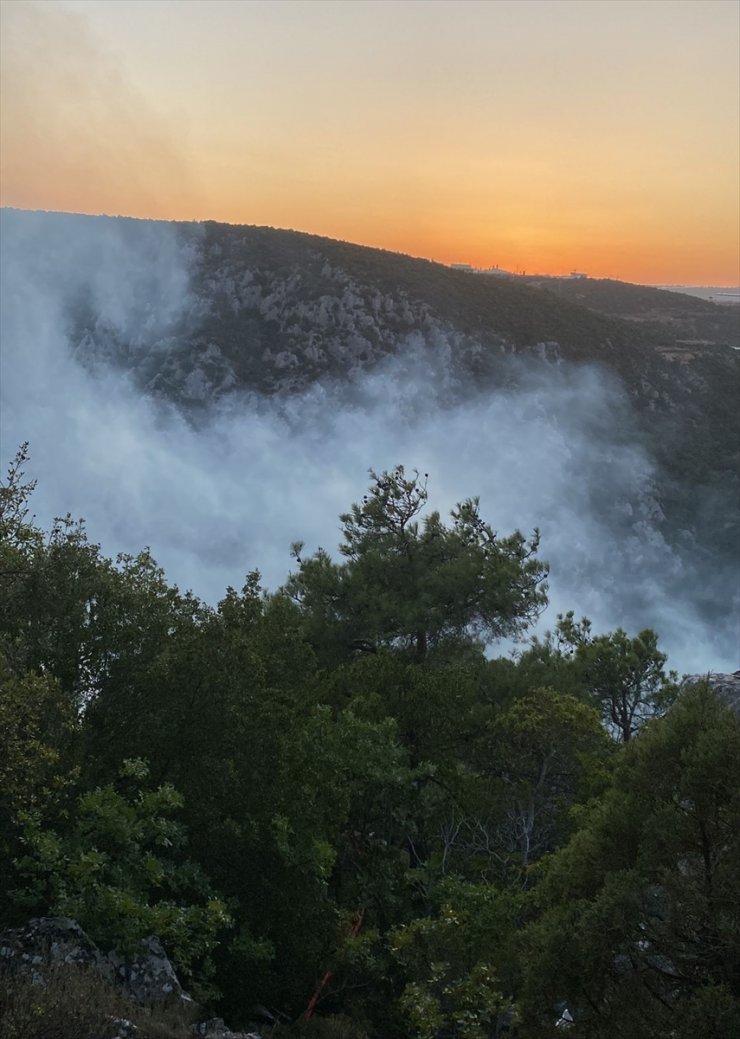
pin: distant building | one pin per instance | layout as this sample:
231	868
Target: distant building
470	269
497	272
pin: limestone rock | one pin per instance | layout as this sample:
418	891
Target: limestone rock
51	941
726	685
147	978
150	977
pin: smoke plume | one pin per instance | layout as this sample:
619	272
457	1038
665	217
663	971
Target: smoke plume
555	449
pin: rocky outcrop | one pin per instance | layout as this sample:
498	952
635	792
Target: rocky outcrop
147	978
49	941
726	685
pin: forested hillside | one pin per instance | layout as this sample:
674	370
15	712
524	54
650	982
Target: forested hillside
218	386
237	309
328	802
679	320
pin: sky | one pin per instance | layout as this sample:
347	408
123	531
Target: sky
533	135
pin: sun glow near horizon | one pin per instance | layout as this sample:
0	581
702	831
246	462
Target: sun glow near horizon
531	136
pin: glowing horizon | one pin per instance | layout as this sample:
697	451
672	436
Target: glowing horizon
535	136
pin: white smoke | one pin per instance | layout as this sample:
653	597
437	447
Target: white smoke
555	450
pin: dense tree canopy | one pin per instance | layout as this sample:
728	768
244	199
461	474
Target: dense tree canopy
418	586
329	801
641	929
625	676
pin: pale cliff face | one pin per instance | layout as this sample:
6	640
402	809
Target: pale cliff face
726	685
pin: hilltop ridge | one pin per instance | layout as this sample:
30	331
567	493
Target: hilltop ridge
266	311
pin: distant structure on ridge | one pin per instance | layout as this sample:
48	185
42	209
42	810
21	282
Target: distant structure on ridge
500	272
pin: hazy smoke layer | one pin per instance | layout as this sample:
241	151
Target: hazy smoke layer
556	451
73	126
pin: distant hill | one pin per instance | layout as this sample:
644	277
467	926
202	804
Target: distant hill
272	311
726	295
674	315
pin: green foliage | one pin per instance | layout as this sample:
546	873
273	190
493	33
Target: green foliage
441	837
448	960
547	752
35	726
16	531
624	676
66	610
116	870
417	587
640	924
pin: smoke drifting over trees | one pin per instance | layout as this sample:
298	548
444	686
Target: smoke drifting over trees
217	493
340	798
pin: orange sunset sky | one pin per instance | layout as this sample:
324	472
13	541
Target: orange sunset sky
537	135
